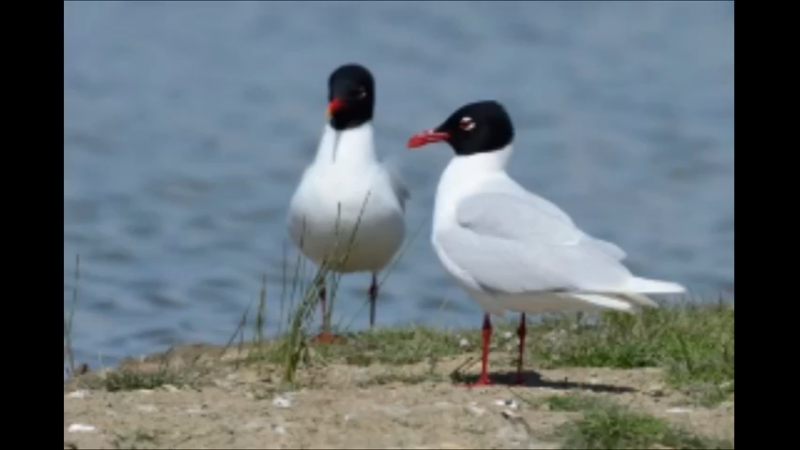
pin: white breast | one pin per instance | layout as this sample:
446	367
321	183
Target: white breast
345	207
463	177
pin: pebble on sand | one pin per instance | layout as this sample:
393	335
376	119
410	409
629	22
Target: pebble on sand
80	428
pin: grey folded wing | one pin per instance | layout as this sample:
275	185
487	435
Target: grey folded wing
515	242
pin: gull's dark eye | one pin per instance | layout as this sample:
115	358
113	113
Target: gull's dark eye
360	93
466	123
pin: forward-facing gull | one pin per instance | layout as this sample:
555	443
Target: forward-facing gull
348	210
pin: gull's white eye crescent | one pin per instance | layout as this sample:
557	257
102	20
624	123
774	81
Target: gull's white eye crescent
466	123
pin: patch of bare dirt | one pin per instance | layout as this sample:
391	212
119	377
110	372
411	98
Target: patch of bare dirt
345	406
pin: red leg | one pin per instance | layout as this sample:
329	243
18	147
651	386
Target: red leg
325	336
373	297
487	336
521	334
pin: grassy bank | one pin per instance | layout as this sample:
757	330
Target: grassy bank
693	343
680	354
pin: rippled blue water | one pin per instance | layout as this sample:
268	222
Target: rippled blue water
186	125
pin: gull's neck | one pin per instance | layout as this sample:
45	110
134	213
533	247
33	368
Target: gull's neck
349	146
462	177
482	162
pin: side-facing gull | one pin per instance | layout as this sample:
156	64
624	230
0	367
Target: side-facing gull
510	249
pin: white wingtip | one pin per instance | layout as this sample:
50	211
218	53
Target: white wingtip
605	302
645	286
639	300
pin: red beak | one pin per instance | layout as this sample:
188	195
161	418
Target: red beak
427	137
333	106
